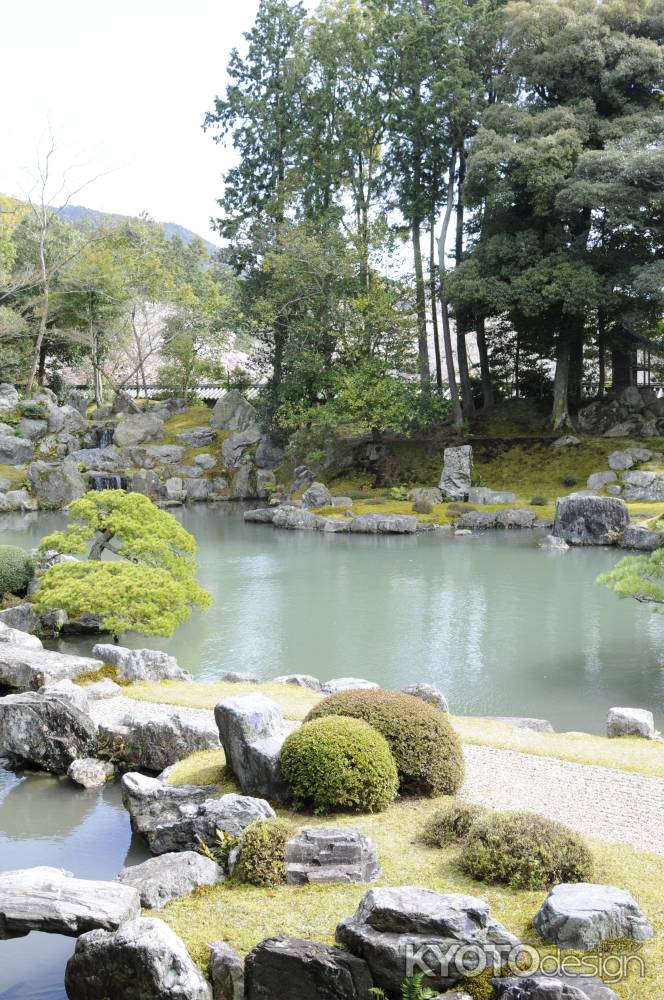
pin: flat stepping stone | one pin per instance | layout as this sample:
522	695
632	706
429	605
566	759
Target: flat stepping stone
329	854
27	669
51	900
581	915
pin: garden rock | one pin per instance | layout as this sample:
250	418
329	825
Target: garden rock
27	668
154	744
242	488
234	446
560	987
553	544
294	518
33	430
198	437
170	876
300	680
140	664
252	732
240	677
384	524
103	690
598	480
523	722
15	450
482	496
284	968
143	960
630	722
137	428
620	461
17	638
99	459
51	900
317	495
233	413
22	617
8	398
56	484
389	921
44	731
347	684
590	520
637	537
227	972
648	486
90	773
426	494
581	915
268	454
567	441
327	855
429	693
197	489
147	482
457	472
172	818
174	490
205	461
69	692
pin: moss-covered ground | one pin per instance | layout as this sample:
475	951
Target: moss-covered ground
14	473
293	701
243	915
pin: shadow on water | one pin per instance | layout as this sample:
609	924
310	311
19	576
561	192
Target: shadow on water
49	821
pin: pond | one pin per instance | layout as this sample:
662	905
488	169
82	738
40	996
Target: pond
501	626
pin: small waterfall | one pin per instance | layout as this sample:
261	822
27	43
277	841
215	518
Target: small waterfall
104	436
106	481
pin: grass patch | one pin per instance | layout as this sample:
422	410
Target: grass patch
442	513
628	753
106	673
293	701
243	915
14	473
207	767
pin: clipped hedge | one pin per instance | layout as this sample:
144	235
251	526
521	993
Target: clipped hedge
425	747
263	853
450	824
16	569
334	764
525	851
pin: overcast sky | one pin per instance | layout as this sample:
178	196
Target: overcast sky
125	86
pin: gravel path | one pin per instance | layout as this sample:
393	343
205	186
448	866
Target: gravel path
615	806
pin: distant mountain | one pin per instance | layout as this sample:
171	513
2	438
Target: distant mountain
79	213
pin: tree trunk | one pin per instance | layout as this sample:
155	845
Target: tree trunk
100	542
421	305
487	386
447	337
560	415
434	306
622	366
468	403
575	387
43	320
601	352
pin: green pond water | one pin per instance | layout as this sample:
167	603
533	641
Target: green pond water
501	626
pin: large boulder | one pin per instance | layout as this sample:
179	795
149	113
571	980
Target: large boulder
635	536
99	459
263	515
226	972
233	413
33	430
235	445
170	876
268	454
147	482
457	472
329	854
561	987
484	496
172	818
15	450
295	518
51	900
391	923
26	667
384	524
137	428
143	960
8	398
154	744
317	495
69	692
56	484
590	520
252	732
580	915
598	480
285	968
16	637
648	486
140	664
429	693
44	731
630	722
197	437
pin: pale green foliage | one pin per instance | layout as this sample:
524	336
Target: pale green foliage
152	593
640	577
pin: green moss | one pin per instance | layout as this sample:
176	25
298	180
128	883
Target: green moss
107	672
14	473
207	767
293	701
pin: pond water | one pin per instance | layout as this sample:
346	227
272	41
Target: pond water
502	627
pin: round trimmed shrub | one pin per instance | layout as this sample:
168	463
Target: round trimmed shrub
538	501
262	858
450	824
336	764
16	569
525	851
425	747
422	507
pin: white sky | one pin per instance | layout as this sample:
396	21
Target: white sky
125	86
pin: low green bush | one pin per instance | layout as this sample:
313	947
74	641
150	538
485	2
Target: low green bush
336	764
16	569
31	410
570	481
425	747
525	851
263	852
399	493
450	824
538	501
422	507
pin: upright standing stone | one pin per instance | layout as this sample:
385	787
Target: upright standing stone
457	472
283	968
